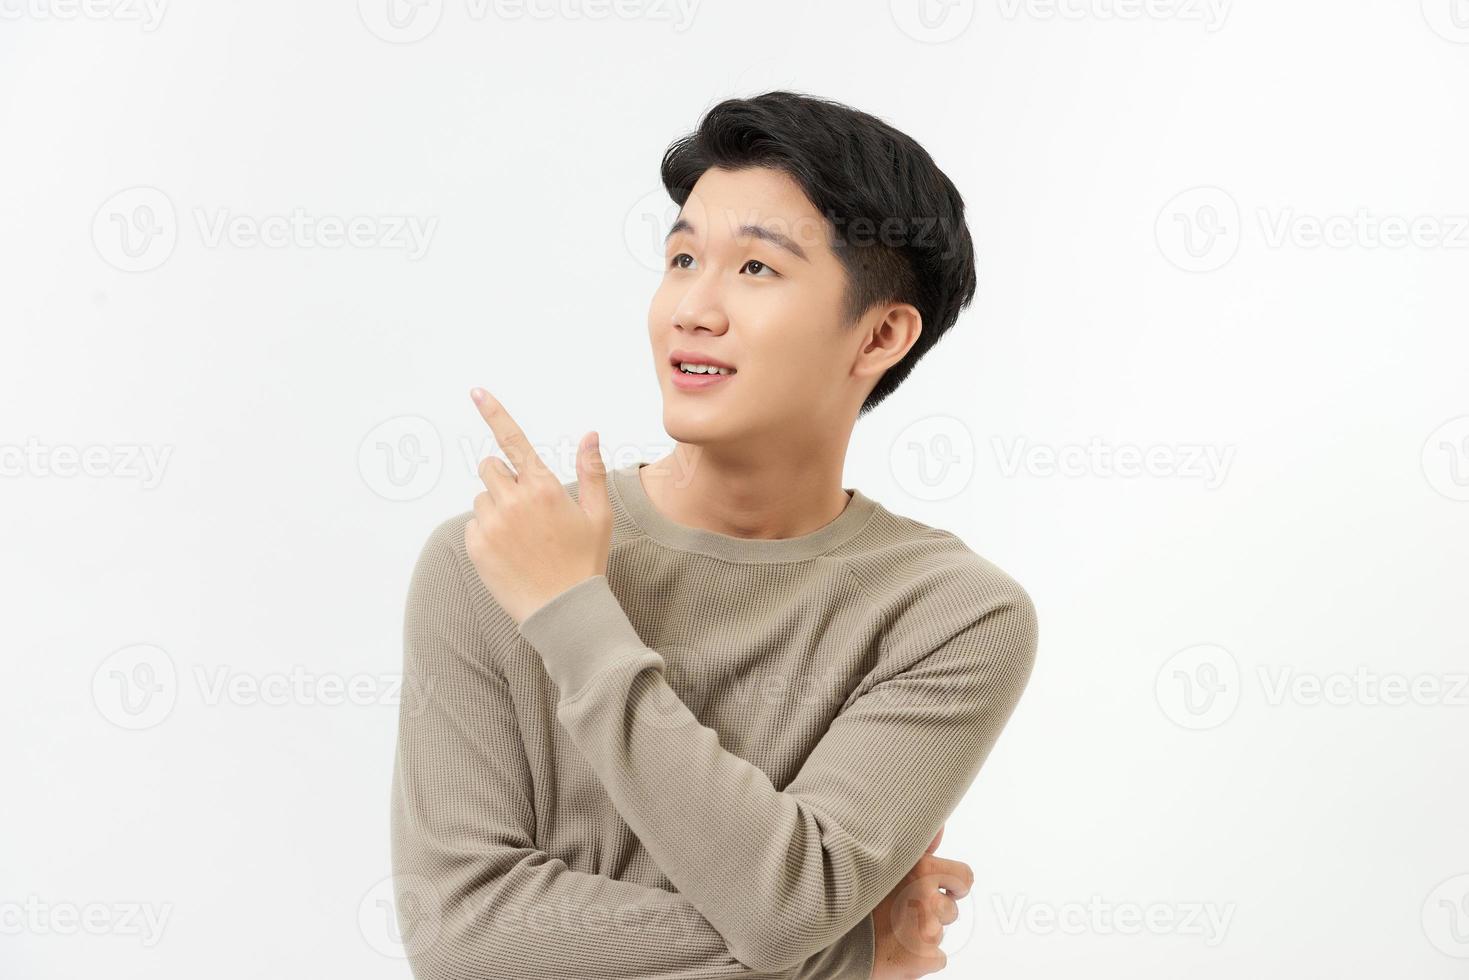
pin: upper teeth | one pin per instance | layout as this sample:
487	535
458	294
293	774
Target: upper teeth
693	368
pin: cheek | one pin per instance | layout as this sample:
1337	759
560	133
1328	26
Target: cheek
658	313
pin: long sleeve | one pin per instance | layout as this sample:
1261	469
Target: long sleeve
782	873
476	898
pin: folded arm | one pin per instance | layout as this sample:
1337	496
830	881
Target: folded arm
783	873
476	896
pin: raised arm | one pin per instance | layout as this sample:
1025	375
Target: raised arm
476	897
783	873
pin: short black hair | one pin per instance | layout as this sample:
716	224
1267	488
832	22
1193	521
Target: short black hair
897	220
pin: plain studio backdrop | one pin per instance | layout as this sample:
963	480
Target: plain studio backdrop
1209	407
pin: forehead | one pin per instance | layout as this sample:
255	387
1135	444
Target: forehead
724	200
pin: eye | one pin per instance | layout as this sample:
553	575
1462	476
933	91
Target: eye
677	263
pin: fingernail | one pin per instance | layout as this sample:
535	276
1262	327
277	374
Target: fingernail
478	394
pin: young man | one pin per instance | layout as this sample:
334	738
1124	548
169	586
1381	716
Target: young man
706	716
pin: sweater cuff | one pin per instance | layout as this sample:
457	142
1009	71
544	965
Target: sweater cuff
579	632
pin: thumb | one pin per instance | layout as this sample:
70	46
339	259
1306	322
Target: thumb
591	476
935	845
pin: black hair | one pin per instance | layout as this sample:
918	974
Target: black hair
897	220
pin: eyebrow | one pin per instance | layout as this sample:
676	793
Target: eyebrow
753	231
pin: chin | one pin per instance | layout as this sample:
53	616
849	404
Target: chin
694	425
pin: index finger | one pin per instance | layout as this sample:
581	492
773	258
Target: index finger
507	433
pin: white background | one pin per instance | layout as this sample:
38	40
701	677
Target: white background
305	410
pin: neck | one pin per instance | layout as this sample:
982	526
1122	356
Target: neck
771	498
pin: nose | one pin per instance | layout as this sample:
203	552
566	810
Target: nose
701	309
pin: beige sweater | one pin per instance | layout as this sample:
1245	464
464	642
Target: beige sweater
712	761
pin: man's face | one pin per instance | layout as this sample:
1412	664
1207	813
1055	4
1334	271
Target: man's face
766	303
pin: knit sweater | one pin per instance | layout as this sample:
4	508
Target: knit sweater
713	760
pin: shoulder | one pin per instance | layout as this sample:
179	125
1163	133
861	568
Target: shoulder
904	558
447	601
933	588
446	538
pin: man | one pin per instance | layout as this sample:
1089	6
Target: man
705	716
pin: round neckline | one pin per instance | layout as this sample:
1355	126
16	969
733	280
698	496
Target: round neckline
627	485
